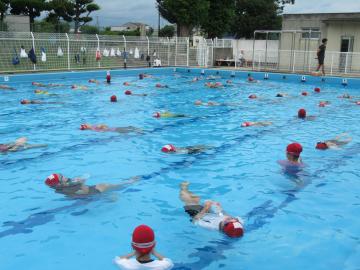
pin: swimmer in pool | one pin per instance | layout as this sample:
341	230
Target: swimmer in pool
212	78
347	96
94	81
76	187
168	115
5	87
19	145
293	152
126	84
79	87
196	149
281	95
159	85
324	103
105	128
210	215
335	143
46	85
28	101
209	103
250	79
302	115
256	124
130	93
214	85
41	92
143	243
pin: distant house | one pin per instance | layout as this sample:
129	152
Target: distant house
131	26
17	23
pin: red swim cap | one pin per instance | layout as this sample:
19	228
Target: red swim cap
24	101
317	90
158	85
246	124
113	98
322	104
157	115
302	113
128	92
294	149
250	79
53	180
233	229
252	96
304	93
357	102
143	239
169	148
321	146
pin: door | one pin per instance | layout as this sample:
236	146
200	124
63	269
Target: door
346	49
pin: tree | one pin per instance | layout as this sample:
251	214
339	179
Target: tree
187	14
89	29
81	7
60	10
31	8
251	15
4	6
220	17
167	31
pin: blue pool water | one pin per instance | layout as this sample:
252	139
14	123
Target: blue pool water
304	221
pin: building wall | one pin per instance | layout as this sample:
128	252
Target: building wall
18	23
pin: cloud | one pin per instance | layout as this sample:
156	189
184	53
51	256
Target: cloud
323	6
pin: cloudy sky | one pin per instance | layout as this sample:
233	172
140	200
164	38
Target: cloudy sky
117	12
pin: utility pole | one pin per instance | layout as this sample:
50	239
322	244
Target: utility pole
159	25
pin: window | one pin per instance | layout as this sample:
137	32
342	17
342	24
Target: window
314	33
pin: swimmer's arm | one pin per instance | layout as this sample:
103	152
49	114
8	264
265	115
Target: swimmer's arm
157	255
128	256
29	146
204	211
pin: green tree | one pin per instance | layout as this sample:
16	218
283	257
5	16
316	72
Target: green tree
31	8
82	11
251	15
167	31
187	14
220	17
89	29
4	7
60	10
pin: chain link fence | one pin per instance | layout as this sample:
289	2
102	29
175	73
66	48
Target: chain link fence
62	51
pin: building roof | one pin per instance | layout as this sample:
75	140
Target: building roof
325	13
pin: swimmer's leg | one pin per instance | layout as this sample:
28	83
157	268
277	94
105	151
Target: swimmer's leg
188	197
108	187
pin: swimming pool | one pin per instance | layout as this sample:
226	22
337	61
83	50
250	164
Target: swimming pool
303	221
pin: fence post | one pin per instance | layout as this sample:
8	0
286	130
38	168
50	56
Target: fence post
33	44
98	43
332	63
148	45
346	62
294	59
259	67
176	39
187	51
68	50
310	61
212	52
168	53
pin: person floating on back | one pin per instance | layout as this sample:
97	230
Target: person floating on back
6	87
210	215
130	93
28	101
196	149
168	115
335	143
105	128
19	145
76	187
143	244
256	124
79	87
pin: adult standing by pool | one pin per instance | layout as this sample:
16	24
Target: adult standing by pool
321	56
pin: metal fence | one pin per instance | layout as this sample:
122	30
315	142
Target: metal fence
78	51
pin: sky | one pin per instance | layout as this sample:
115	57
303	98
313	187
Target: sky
117	12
